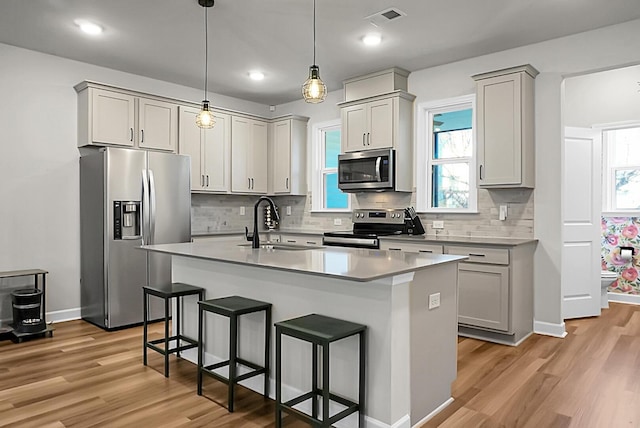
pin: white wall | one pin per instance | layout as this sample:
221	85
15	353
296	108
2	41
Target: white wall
39	187
606	48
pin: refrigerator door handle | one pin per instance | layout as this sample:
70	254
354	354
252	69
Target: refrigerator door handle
152	211
145	208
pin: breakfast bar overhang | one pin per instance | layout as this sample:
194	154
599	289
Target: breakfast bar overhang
411	356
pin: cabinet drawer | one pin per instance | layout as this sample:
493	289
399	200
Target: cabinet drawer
300	240
411	247
496	256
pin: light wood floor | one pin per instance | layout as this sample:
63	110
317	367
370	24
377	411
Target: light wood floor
86	377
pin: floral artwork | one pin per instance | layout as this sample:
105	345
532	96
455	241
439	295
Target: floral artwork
621	232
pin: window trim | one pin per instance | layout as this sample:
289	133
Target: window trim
424	150
608	172
318	171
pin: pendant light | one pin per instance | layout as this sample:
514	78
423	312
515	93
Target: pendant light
205	117
314	90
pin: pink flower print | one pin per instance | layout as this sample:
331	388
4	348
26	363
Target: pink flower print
612	240
603	224
625	287
618	220
603	264
630	231
630	274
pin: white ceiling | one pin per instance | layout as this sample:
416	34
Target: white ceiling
164	39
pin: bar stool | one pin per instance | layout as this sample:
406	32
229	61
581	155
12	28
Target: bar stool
320	331
167	292
232	307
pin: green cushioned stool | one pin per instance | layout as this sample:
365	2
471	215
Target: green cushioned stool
320	331
232	307
168	292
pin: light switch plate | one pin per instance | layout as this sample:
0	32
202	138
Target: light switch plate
337	222
438	224
503	212
434	300
288	209
242	211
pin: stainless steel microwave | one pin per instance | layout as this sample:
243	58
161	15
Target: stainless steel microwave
366	171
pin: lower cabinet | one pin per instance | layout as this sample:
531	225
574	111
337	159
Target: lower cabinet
287	238
410	247
495	292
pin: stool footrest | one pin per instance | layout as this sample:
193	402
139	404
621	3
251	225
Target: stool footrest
257	370
192	344
352	407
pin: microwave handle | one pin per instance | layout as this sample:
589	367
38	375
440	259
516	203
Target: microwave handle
378	171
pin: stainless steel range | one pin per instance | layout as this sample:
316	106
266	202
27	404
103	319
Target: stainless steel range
369	225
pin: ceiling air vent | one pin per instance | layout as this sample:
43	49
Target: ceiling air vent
385	16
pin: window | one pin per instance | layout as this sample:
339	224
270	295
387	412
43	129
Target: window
621	171
326	195
446	150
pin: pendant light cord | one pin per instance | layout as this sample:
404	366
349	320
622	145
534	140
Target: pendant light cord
314	32
206	49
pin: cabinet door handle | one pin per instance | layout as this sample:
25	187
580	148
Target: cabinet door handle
248	183
480	172
425	251
207	180
131	134
287	183
476	255
364	135
292	241
142	135
202	181
252	184
311	242
395	249
368	138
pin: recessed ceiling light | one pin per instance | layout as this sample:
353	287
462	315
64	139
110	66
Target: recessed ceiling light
372	39
88	27
256	75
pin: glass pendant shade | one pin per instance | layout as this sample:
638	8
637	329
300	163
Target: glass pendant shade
314	90
205	117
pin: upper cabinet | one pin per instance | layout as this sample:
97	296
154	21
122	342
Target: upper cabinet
505	128
249	142
288	156
209	149
111	116
369	125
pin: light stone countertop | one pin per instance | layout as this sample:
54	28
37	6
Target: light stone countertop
343	263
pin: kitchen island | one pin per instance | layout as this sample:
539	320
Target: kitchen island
411	348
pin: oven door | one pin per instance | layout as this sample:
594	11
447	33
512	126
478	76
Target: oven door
370	170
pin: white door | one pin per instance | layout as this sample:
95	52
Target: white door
581	211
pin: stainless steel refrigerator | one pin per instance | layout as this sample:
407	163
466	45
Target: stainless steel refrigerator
128	198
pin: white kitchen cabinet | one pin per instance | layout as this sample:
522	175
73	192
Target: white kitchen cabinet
209	149
382	121
288	156
410	247
249	143
495	292
109	116
505	128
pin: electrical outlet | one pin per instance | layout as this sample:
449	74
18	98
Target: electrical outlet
242	211
288	209
337	222
438	224
503	212
434	300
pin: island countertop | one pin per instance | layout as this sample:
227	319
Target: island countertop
344	263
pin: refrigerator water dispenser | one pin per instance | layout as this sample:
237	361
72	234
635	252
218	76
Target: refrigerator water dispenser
126	219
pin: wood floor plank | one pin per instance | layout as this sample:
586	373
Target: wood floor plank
86	377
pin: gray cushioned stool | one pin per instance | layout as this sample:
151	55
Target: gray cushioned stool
233	307
168	292
320	331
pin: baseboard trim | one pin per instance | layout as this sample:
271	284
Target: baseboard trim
629	299
435	412
549	329
63	315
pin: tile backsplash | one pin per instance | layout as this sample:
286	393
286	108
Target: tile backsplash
213	213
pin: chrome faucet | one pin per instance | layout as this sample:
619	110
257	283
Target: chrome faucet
255	239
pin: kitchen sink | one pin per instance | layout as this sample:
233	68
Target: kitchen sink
278	246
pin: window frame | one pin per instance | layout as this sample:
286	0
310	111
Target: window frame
319	171
425	147
609	207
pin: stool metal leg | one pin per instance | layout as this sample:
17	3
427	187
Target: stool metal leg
314	380
233	354
267	354
145	310
278	377
166	337
363	371
200	349
325	384
176	330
